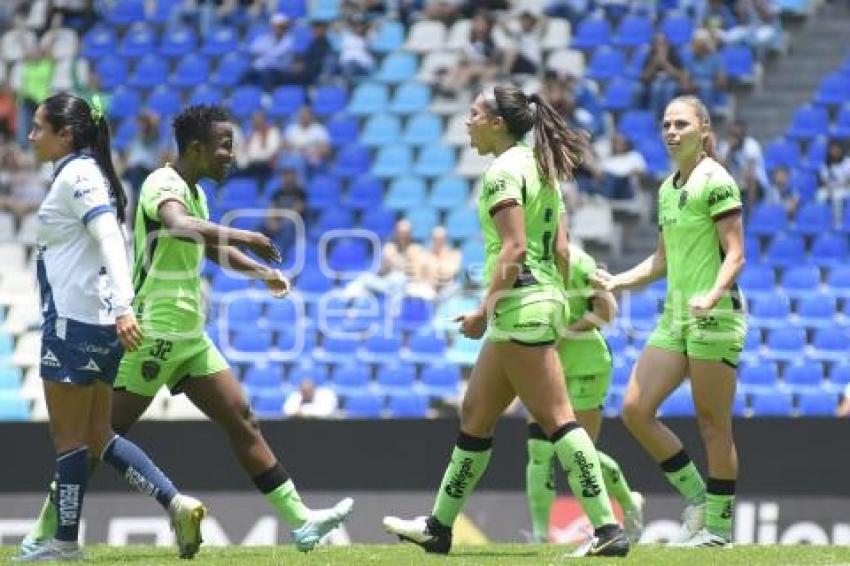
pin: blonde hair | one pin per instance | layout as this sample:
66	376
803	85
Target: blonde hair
709	141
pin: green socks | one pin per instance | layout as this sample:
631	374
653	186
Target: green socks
720	507
468	463
281	494
578	456
539	481
615	481
45	525
684	477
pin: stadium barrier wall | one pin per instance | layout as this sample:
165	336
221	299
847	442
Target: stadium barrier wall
793	487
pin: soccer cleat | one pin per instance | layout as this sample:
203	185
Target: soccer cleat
633	519
426	532
186	516
51	550
320	523
704	539
614	543
693	520
45	527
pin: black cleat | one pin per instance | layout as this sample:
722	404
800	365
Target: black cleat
426	532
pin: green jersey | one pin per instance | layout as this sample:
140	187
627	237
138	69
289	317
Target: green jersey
513	176
167	270
586	353
686	217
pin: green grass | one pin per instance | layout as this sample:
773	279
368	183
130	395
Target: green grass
497	554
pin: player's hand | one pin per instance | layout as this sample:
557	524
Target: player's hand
473	324
278	284
604	281
129	332
262	245
701	306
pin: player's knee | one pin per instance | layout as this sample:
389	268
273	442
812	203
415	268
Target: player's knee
635	414
714	428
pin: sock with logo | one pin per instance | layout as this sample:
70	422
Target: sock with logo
684	476
615	481
71	476
720	507
279	490
578	456
539	481
139	470
469	461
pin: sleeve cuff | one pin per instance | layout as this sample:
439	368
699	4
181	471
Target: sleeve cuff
95	212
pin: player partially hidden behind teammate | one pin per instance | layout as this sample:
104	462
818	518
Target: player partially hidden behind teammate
84	279
701	333
172	234
525	310
587	367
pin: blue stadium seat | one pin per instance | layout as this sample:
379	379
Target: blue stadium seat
365	192
406	192
178	41
801	281
462	223
619	95
817	311
267	403
760	376
230	69
286	100
654	153
769	403
252	340
219	41
125	103
244	310
768	219
817	404
388	37
809	122
190	71
368	98
423	219
829	250
318	372
839	375
139	40
636	63
336	350
329	99
411	98
163	12
834	90
449	192
283	314
678	404
785	344
245	100
363	406
830	345
264	376
407	406
804	183
343	130
633	31
225	282
397	67
312	283
813	218
10	378
206	94
350	255
815	155
125	12
463	351
617	341
295	342
838	281
423	129
13	407
381	129
752	346
293	9
435	161
350	379
441	380
804	375
164	100
637	125
752	248
150	71
678	28
639	311
395	378
605	64
782	152
332	219
738	62
323	191
841	127
757	280
393	161
785	250
325	10
238	192
591	33
620	375
98	42
380	221
112	70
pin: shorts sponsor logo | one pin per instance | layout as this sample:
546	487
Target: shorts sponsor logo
529	324
50	360
589	485
150	369
457	484
95	349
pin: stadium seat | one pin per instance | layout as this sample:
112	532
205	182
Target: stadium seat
633	31
139	40
410	98
839	375
350	255
619	95
803	375
350	379
395	378
752	346
219	41
785	344
449	192
329	99
243	311
813	218
637	125
785	250
425	36
227	282
739	63
267	403
388	37
809	122
605	64
422	129
365	192
639	311
636	63
817	311
230	69
283	314
423	219
287	100
815	157
325	10
757	280
245	100
435	161
830	345
591	33
112	70
351	161
178	41
804	183
125	12
397	67
312	283
767	219
829	250
10	378
801	281
125	103
654	153
323	192
190	71
841	126
392	161
407	406
98	42
343	130
293	343
462	223
363	406
834	90
264	376
332	219
463	351
769	403
206	94
164	100
678	29
336	350
380	221
441	380
368	98
381	129
405	193
817	404
838	281
13	407
253	341
318	372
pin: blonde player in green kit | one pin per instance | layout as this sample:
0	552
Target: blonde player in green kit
525	310
587	365
701	332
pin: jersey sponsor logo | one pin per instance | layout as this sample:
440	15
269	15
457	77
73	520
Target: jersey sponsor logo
49	359
589	485
90	366
495	186
457	484
150	369
720	194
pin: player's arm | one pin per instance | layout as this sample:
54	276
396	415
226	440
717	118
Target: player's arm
562	249
652	268
730	231
510	224
232	258
604	310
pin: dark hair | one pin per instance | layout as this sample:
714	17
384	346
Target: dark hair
89	129
194	123
558	149
709	142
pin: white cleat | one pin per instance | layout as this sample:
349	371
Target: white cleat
422	531
693	521
52	550
633	519
320	523
704	539
186	516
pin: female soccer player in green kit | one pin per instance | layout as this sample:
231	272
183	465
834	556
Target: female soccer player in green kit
587	365
525	309
701	333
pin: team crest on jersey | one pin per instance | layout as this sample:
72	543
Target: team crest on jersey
683	199
150	369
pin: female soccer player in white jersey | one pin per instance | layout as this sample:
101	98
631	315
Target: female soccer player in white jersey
525	310
701	333
86	296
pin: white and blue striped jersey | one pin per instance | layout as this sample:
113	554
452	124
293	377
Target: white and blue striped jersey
73	280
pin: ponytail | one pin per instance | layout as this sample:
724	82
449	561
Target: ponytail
101	151
558	148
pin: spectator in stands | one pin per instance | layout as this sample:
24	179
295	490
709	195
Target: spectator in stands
145	152
844	407
290	195
261	146
663	74
480	59
573	10
319	60
446	11
279	230
308	138
742	156
310	401
778	191
36	78
834	176
525	53
19	40
617	171
705	70
8	112
757	25
22	185
79	15
719	17
273	55
355	59
441	263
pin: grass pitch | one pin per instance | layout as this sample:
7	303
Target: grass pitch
495	554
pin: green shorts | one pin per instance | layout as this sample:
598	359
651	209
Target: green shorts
712	338
537	319
588	392
161	362
587	365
